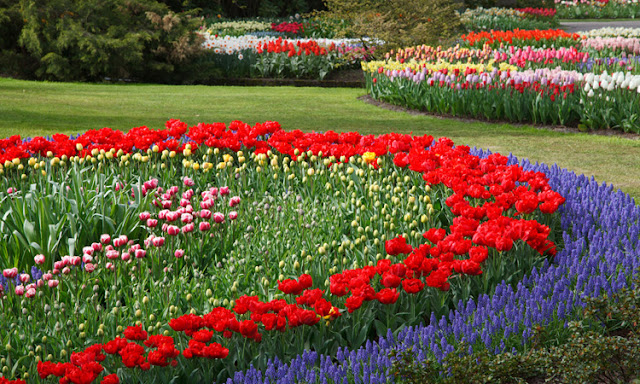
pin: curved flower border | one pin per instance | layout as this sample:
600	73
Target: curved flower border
597	257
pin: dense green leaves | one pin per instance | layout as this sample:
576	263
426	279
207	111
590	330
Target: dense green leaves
97	40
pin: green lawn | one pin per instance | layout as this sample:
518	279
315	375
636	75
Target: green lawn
35	108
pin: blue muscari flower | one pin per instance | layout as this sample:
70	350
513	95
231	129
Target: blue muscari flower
36	273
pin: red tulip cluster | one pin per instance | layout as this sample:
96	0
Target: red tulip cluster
216	135
7	381
273	315
294	28
538	12
85	367
298	49
484	37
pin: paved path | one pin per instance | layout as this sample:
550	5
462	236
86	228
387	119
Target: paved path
576	26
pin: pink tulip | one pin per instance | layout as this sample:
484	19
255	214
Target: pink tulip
11	190
158	242
187	195
235	200
88	259
39	259
186	218
173	230
66	270
105	239
55	271
188	209
125	256
152	223
52	283
179	253
89	267
47	276
233	215
188	228
111	255
87	250
31	292
206	204
122	240
224	191
214	191
19	290
10	273
218	217
204	226
140	253
24	278
184	202
188	181
76	260
40	283
110	266
144	216
166	204
58	265
172	216
96	247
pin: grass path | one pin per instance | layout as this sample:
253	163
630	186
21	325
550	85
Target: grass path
36	108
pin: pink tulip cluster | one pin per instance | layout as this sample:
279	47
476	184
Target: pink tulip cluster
22	281
186	213
627	45
126	250
522	56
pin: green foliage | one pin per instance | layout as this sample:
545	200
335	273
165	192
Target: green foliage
604	347
510	3
247	8
399	23
91	40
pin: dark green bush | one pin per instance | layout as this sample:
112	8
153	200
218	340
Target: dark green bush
399	23
510	3
247	8
97	39
603	347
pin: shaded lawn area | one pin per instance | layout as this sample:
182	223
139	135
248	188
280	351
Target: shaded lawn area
37	108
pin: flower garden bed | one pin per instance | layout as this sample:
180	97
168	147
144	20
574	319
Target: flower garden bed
486	19
181	275
158	255
597	9
540	77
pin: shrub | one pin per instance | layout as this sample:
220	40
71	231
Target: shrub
398	23
604	347
510	3
91	40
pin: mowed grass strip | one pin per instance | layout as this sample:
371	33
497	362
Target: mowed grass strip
36	108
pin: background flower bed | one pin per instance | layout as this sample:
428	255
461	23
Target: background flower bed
597	9
514	76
